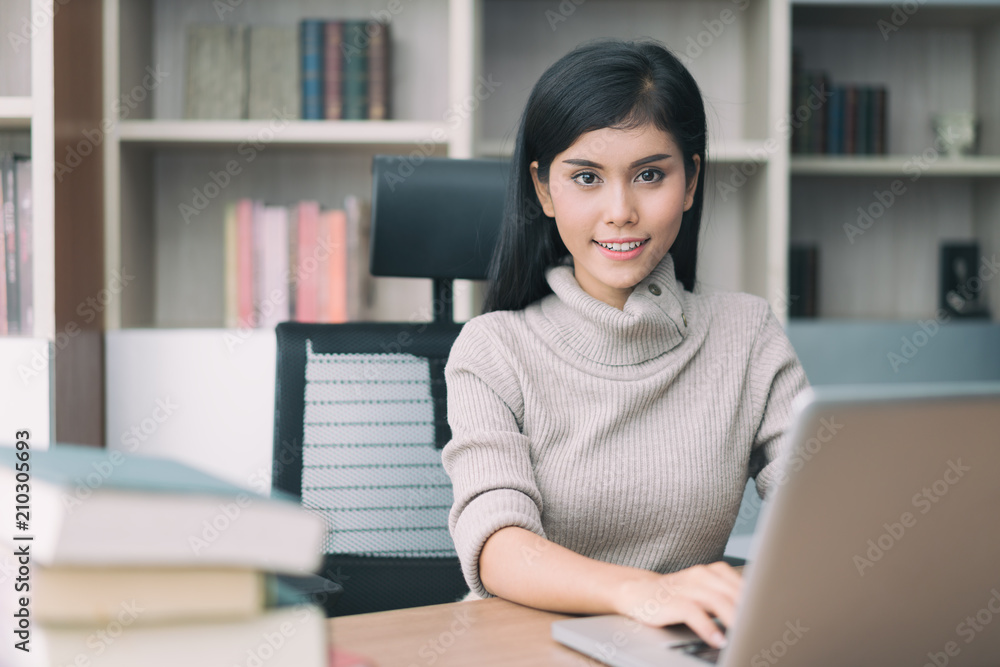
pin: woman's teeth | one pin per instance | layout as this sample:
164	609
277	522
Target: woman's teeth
622	247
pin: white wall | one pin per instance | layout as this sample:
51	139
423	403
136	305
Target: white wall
204	397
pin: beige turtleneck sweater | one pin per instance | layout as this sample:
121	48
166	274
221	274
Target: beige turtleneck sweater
626	436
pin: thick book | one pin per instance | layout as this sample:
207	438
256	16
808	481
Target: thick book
358	284
244	262
8	209
862	132
311	34
850	120
835	121
355	69
335	304
216	83
94	507
307	264
285	637
25	245
275	270
878	122
379	74
273	77
333	65
230	273
82	595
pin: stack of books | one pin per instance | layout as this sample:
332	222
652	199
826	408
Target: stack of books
16	294
296	263
128	560
320	69
836	119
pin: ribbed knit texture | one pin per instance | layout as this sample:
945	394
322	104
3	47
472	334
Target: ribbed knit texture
626	436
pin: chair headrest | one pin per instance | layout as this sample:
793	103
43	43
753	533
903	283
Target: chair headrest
436	219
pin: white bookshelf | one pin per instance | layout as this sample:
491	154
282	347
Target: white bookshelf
27	125
944	57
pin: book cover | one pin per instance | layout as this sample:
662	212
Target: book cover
94	507
260	272
284	637
878	122
835	121
273	72
216	73
336	278
850	119
355	70
379	73
275	297
311	33
230	267
802	281
306	268
8	208
82	595
862	132
244	262
358	223
332	68
25	245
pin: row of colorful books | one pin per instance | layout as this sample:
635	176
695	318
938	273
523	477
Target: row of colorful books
320	69
144	561
300	263
837	119
16	294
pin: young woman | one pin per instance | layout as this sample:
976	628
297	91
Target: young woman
606	415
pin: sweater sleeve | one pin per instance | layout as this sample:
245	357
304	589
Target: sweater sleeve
488	457
776	377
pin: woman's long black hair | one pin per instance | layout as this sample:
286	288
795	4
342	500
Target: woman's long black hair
616	84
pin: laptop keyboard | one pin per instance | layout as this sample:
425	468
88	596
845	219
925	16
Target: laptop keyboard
699	649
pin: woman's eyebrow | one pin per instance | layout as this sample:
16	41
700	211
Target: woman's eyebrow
646	160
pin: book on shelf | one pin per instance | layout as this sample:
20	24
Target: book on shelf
273	72
300	263
803	289
850	119
144	561
319	70
216	72
16	229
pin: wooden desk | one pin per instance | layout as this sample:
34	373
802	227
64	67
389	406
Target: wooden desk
477	632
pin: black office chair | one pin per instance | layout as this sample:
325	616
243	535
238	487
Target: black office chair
360	412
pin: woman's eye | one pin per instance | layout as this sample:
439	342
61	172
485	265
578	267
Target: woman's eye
650	175
586	178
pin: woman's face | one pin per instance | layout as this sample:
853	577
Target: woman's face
617	187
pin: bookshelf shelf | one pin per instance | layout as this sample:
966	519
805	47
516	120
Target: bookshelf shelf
290	133
15	112
895	165
729	153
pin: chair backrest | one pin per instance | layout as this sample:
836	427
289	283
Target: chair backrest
360	411
360	419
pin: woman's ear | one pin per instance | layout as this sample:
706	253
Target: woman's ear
542	190
692	185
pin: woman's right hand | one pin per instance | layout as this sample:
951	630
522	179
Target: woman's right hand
692	596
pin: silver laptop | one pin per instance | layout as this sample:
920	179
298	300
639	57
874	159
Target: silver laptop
880	547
